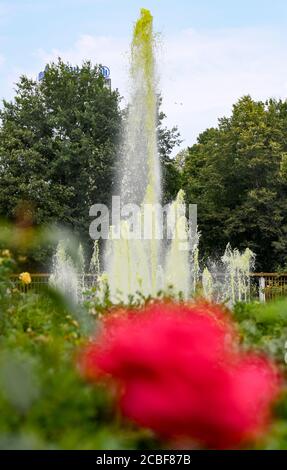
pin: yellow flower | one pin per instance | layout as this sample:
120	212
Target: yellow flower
25	278
6	253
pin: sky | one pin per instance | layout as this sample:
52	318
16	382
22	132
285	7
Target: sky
210	53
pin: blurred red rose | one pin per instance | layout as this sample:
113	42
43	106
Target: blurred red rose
181	374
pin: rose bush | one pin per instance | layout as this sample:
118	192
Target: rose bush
179	372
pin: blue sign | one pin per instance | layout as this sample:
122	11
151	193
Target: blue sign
105	71
41	76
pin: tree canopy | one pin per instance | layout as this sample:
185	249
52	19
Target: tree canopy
237	174
59	147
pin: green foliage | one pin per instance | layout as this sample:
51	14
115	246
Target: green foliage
97	300
58	142
6	268
44	401
263	327
168	140
59	148
236	173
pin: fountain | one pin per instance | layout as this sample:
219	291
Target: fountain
68	272
95	260
207	284
149	266
64	276
177	266
237	274
146	265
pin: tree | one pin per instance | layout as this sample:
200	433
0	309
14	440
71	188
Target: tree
168	140
58	146
236	173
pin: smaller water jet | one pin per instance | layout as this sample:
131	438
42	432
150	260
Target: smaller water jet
95	266
68	273
207	284
238	267
177	266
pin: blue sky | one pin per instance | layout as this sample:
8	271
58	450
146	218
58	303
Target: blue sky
212	51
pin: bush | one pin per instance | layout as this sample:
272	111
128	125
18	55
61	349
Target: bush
44	401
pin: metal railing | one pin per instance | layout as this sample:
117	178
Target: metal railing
40	280
267	286
271	286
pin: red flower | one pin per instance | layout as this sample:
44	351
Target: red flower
181	374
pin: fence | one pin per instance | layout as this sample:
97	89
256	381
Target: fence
40	280
270	286
265	286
